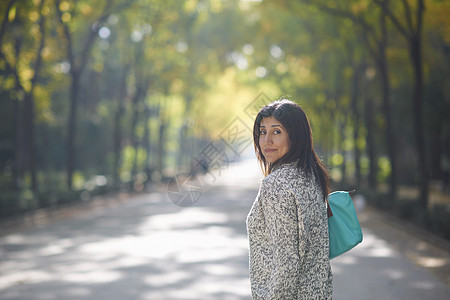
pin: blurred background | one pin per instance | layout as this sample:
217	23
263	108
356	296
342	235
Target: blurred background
113	96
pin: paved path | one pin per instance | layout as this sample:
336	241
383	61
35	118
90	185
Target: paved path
148	248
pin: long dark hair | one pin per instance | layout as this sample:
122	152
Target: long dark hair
296	123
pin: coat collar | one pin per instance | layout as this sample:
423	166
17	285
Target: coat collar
289	165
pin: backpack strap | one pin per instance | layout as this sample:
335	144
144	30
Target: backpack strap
329	212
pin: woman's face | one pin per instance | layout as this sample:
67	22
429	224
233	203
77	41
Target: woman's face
273	139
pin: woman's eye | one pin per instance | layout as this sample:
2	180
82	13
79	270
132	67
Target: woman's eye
262	132
277	132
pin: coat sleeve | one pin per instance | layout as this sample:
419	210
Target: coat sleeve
284	229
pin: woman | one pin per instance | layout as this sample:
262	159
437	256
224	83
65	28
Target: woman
287	224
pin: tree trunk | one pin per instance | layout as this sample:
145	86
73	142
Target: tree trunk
371	153
19	119
161	140
117	145
162	132
390	134
18	147
44	161
118	129
416	57
382	64
436	147
30	139
356	114
133	135
146	142
71	142
184	149
340	144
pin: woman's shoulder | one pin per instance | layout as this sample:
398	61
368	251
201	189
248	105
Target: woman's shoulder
282	177
286	171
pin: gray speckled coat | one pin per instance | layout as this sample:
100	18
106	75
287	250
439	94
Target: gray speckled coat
288	235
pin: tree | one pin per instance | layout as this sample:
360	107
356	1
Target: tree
11	71
29	113
25	150
412	32
77	66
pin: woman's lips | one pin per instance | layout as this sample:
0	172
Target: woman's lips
269	150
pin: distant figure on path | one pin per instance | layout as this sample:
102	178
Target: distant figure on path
287	224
